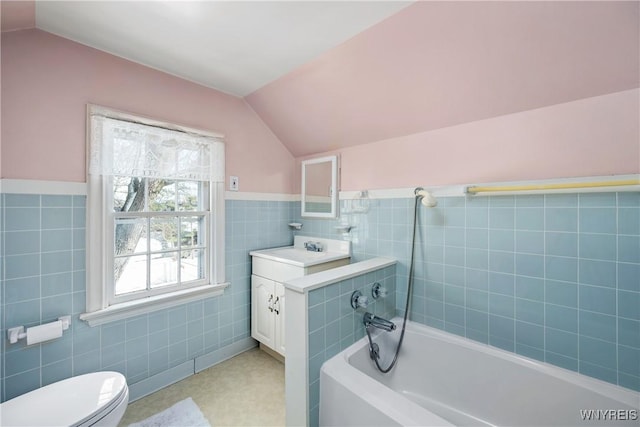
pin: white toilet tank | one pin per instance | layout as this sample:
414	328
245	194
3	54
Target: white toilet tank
96	399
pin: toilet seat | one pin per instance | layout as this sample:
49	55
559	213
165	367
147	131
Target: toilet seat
83	400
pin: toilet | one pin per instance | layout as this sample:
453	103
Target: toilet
96	399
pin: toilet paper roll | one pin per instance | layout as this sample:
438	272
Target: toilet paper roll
46	332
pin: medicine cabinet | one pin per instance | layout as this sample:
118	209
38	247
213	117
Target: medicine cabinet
320	187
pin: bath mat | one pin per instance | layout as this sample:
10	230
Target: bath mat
183	414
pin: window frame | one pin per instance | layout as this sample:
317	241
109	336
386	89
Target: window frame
149	215
100	306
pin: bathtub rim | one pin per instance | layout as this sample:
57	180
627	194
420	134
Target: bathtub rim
600	387
401	410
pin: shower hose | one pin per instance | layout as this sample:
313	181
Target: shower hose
374	354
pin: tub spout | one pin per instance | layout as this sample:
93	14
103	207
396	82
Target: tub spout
378	322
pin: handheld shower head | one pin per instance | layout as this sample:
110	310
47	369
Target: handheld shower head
428	199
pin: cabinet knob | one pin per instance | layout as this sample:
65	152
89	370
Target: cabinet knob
277	301
270	303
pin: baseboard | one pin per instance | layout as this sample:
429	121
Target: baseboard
206	361
184	370
272	353
159	381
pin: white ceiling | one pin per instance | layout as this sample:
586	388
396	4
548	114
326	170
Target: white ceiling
234	46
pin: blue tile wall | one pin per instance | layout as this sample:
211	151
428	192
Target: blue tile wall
2	341
334	325
551	277
43	276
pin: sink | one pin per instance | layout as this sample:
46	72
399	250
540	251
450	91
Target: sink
294	253
297	255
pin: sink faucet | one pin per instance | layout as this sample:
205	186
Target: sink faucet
313	246
378	322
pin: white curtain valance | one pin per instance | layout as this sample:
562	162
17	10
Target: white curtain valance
122	148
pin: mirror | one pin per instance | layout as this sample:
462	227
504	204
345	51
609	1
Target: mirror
320	187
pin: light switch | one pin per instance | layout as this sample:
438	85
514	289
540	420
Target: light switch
234	183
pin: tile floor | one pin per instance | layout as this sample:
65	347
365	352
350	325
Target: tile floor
246	390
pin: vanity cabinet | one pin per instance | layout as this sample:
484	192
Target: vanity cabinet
271	268
267	312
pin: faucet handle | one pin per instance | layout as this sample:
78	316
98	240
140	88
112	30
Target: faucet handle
378	291
358	300
313	246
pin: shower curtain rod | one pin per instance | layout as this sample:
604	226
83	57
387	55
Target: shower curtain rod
551	187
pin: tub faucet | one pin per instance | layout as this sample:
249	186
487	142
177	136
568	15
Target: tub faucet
378	322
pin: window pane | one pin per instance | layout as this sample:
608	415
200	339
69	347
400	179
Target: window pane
130	274
128	194
130	236
164	233
192	231
192	265
164	269
188	192
162	195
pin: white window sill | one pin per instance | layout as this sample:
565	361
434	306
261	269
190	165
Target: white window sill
147	305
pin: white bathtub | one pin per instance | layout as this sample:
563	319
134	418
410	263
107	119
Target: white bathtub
443	379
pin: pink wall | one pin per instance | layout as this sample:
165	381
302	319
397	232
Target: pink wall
18	15
47	82
0	97
588	137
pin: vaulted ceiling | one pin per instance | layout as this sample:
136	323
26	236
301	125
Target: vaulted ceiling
329	75
438	64
233	46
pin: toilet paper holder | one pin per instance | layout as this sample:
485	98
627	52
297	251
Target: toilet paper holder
18	333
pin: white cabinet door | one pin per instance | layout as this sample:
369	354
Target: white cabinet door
279	323
262	315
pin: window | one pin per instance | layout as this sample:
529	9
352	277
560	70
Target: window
155	215
159	236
